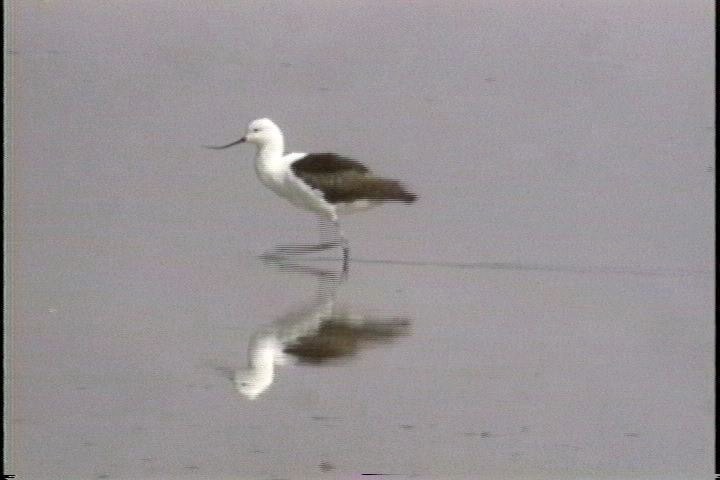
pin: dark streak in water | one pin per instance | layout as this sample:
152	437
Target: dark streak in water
649	272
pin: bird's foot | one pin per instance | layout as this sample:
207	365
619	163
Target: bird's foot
282	250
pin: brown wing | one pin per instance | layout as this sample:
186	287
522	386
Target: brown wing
342	179
327	163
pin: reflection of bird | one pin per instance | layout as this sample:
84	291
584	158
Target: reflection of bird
324	183
266	347
264	352
312	334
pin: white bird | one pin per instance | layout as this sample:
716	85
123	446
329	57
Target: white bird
325	183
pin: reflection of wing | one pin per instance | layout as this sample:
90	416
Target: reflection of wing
337	338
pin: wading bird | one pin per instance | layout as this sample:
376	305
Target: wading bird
325	183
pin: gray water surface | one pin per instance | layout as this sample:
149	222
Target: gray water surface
545	310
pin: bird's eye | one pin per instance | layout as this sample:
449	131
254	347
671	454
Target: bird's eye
255	130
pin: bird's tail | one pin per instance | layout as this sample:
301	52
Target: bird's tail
390	190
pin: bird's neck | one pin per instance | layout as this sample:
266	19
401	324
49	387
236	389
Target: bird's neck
269	162
270	151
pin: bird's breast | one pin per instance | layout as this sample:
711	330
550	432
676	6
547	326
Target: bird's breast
269	173
278	177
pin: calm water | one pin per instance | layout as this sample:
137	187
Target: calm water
544	311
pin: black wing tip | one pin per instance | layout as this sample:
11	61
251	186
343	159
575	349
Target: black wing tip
410	197
394	191
404	197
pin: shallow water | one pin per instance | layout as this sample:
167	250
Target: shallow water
543	311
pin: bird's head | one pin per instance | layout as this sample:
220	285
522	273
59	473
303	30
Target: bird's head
251	383
261	132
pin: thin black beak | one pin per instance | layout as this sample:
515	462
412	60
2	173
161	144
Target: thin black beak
242	140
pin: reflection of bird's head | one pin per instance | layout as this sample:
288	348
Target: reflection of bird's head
265	352
251	383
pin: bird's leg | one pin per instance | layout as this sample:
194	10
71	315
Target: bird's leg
330	236
344	244
329	233
346	260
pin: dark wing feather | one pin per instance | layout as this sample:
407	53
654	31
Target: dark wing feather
341	179
327	163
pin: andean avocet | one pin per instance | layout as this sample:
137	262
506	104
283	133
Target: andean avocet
325	183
